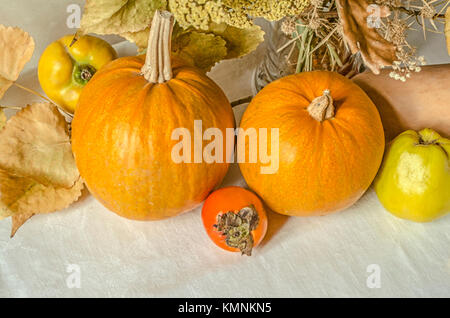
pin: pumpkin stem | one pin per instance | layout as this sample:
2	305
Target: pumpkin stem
157	67
322	107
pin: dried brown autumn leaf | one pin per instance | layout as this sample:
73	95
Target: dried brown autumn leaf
361	37
239	41
202	50
18	221
2	118
37	169
118	16
17	47
23	197
140	38
20	195
44	200
35	144
447	29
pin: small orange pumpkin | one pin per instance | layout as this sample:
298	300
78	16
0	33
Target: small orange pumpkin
331	143
123	124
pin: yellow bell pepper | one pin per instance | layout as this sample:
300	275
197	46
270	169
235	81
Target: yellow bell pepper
64	70
414	180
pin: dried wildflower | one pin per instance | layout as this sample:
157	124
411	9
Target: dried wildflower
200	13
317	3
428	11
270	9
395	31
388	3
288	26
317	43
406	64
386	44
314	24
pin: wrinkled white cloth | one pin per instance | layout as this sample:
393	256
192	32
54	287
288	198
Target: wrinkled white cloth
361	252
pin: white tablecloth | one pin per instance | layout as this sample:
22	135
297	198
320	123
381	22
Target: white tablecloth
343	254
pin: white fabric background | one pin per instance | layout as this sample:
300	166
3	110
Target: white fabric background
301	257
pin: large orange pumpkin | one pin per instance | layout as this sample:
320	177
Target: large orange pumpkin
122	131
331	143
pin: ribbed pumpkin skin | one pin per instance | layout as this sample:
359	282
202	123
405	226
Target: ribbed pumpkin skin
323	166
121	138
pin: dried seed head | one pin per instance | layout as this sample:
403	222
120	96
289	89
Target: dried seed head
288	26
396	31
316	3
428	11
314	24
389	3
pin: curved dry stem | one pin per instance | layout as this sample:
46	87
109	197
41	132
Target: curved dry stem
29	90
157	67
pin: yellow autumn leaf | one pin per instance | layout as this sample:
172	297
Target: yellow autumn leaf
447	29
37	169
35	144
18	221
41	199
23	197
118	16
17	47
140	38
201	50
239	41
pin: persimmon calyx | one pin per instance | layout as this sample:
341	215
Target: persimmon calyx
322	108
237	226
83	73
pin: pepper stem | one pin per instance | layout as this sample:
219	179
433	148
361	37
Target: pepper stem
428	136
157	67
322	108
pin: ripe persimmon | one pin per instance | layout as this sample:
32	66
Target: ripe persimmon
234	218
